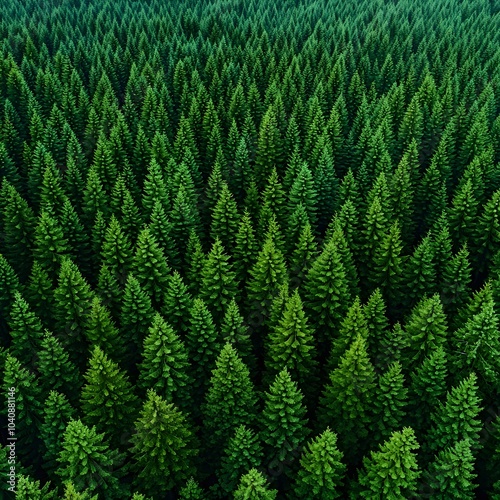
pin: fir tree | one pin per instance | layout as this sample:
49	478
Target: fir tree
391	472
163	446
177	302
81	446
321	469
191	491
107	398
283	420
225	218
253	486
165	366
242	453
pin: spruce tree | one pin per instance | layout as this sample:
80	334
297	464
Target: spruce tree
177	302
283	420
242	453
225	218
107	398
253	486
245	249
163	447
321	469
40	294
165	366
81	446
392	471
191	491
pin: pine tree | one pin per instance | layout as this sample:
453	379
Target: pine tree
236	332
107	399
426	328
150	266
56	371
290	344
225	218
165	365
73	302
326	293
177	302
50	246
455	288
242	453
269	147
40	294
136	314
451	474
26	332
218	281
390	403
303	191
245	248
116	251
230	400
321	469
100	330
457	418
81	446
428	387
283	420
163	446
204	343
346	403
57	413
161	227
374	312
266	275
253	486
391	472
29	489
191	491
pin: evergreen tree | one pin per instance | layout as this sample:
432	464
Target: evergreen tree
457	418
451	474
191	491
245	248
28	489
391	472
218	281
165	365
225	218
150	266
242	453
40	294
177	302
455	286
283	420
253	486
163	446
346	403
107	398
87	461
57	413
321	469
230	400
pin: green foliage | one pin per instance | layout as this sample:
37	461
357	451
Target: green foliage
253	486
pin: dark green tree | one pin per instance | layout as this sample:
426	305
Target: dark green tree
253	486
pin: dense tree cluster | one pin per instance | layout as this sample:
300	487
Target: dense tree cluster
251	249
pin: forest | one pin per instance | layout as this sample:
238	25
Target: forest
249	249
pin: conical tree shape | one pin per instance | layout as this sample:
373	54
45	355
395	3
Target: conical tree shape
242	453
291	345
26	332
107	398
81	445
283	420
177	302
253	486
165	366
303	191
163	446
390	403
266	275
391	472
326	293
101	331
116	251
457	418
455	288
428	387
191	491
352	325
204	343
347	398
236	332
374	312
73	303
161	227
230	400
136	314
245	249
40	294
321	469
150	266
225	218
218	285
57	413
29	489
56	371
451	474
304	253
